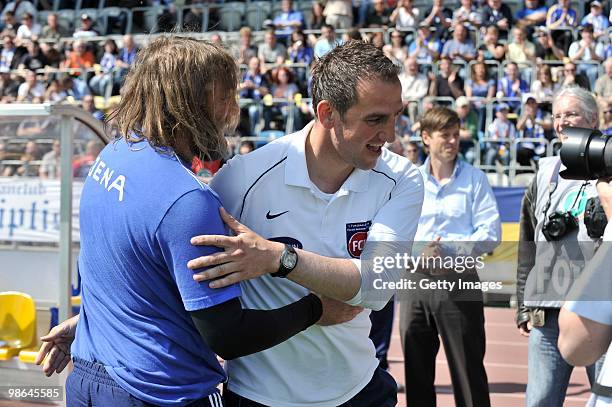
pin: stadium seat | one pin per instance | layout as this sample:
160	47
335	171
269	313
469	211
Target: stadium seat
205	16
256	13
515	5
112	13
41	17
104	104
230	16
65	18
147	18
306	8
522	180
17	323
277	8
65	4
498	179
28	355
510	232
271	135
75	301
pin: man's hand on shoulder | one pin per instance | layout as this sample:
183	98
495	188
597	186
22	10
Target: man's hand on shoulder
245	256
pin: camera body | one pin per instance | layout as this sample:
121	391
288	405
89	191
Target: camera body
558	225
595	218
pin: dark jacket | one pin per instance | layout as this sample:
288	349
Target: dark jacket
526	249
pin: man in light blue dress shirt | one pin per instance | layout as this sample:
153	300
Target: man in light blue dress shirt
459	218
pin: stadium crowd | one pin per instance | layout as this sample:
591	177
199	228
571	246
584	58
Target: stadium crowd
498	63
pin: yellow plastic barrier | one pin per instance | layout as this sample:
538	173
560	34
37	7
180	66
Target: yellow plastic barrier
17	323
28	355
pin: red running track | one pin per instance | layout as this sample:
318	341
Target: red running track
505	361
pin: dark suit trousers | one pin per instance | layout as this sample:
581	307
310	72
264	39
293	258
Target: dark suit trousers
460	324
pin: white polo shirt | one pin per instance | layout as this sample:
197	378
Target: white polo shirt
269	190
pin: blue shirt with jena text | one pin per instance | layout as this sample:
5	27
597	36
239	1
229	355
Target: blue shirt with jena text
139	209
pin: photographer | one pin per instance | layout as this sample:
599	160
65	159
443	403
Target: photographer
585	326
552	210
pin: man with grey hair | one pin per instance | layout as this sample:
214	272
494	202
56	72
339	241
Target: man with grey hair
414	86
545	252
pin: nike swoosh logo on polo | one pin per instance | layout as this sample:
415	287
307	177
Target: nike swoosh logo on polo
276	215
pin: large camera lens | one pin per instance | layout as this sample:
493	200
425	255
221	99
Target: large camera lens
586	153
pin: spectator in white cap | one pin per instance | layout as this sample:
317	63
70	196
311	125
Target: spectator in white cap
597	19
532	123
503	130
86	29
468	128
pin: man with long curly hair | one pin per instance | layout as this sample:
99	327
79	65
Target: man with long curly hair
148	333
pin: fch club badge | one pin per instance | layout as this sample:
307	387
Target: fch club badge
356	235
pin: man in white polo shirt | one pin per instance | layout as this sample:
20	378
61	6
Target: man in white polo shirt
313	201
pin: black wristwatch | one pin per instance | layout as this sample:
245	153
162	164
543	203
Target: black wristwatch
288	261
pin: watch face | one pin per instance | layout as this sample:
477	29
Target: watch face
289	260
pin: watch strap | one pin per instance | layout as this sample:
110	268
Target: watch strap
283	271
